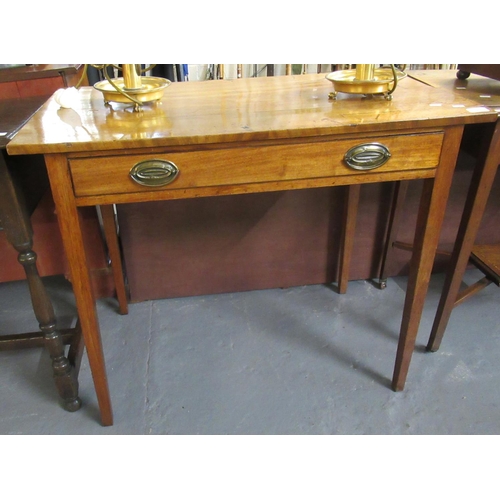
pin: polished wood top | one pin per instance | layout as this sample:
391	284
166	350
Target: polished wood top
242	110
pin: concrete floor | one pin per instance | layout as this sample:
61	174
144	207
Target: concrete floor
302	361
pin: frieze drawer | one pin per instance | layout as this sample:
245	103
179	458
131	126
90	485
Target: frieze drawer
189	170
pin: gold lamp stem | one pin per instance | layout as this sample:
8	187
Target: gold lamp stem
131	77
365	72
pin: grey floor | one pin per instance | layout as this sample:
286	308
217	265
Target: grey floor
303	360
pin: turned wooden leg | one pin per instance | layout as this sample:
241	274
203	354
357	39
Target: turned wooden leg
19	233
64	376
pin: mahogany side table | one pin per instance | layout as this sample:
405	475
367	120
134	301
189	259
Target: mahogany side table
229	137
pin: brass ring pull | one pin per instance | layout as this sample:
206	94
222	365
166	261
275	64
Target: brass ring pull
153	173
367	156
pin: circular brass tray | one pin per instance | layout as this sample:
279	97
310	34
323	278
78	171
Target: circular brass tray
345	81
151	90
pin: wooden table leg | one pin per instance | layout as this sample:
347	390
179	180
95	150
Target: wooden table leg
430	217
347	238
70	226
477	197
19	232
111	234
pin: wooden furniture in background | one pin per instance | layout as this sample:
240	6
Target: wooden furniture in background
488	70
37	79
467	250
482	181
247	136
21	88
487	259
15	222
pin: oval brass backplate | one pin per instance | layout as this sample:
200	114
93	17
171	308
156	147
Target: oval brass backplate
367	156
154	173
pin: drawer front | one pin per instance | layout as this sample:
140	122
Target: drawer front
250	165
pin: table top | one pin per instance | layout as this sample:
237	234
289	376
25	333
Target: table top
242	110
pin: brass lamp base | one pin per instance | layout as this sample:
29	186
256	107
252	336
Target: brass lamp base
380	81
151	89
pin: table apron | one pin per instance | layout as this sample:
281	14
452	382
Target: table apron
249	169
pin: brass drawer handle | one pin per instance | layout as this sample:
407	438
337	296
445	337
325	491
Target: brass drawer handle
367	156
154	173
